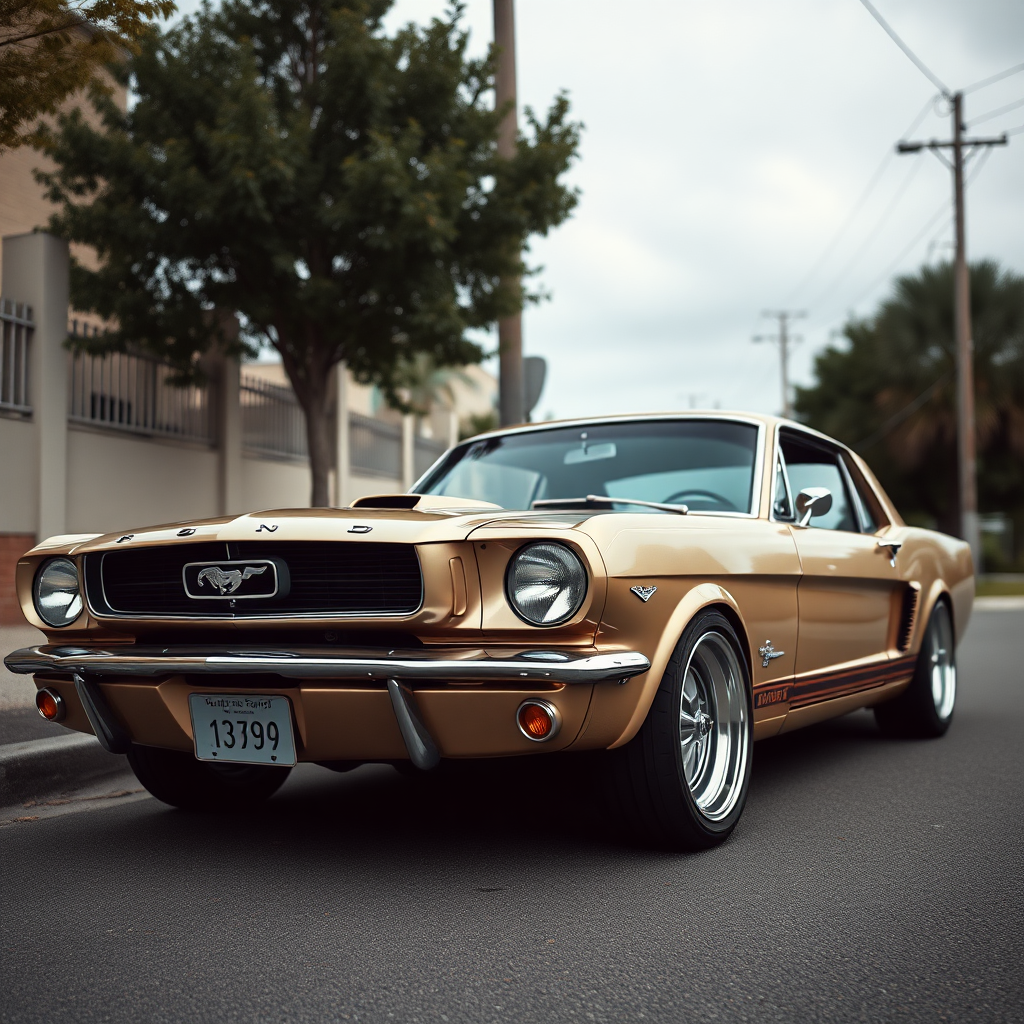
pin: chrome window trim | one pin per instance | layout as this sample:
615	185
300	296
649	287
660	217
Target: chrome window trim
757	481
860	514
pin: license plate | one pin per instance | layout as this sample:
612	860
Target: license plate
241	727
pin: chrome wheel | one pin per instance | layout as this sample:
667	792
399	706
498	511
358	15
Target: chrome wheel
938	652
713	732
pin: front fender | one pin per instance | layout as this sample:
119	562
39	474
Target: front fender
618	711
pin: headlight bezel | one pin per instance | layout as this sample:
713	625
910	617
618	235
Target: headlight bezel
510	591
75	605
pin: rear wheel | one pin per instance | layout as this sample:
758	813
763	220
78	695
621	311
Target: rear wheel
925	707
181	780
682	781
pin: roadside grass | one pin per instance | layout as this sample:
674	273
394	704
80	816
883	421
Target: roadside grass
994	587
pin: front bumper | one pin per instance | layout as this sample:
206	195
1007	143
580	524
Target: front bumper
421	704
468	666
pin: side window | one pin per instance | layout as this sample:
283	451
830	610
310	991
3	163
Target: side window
809	464
871	512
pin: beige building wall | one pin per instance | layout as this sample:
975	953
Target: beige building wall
19	476
269	484
117	482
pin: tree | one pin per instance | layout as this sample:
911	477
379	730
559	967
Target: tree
50	49
890	393
336	187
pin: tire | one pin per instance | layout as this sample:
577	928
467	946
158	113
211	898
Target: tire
682	781
925	708
181	780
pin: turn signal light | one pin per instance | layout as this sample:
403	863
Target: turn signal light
49	704
538	720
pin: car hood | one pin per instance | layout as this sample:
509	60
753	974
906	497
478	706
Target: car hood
421	525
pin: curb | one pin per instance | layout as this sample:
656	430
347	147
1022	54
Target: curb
37	768
1009	603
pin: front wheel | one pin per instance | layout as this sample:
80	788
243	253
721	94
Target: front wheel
182	780
682	781
925	707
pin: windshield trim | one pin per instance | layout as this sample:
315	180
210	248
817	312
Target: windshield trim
757	481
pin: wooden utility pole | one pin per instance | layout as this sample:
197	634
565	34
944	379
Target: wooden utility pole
510	329
783	338
965	421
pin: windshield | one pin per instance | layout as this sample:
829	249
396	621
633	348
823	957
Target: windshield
707	465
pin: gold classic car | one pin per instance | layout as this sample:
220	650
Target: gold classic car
665	588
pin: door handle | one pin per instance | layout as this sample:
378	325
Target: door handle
893	549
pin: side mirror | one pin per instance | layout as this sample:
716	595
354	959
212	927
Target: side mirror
812	501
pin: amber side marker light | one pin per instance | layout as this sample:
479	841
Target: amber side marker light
49	704
538	720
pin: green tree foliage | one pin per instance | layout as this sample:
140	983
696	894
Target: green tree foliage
336	187
890	393
50	49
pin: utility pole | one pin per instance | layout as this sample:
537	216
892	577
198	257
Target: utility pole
965	424
511	404
784	339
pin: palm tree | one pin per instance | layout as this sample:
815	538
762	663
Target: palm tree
890	393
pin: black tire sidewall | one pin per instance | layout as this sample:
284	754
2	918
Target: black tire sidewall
680	818
181	780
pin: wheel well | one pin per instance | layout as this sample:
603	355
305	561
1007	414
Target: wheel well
741	633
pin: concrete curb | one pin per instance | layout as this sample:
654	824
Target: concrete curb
38	768
1009	603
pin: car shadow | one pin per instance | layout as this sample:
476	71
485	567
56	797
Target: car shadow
544	805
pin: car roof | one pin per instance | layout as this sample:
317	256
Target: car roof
691	414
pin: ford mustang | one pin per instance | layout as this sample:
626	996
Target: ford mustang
667	589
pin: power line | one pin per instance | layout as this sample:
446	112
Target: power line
874	180
872	235
994	113
894	421
1015	131
933	78
929	224
994	78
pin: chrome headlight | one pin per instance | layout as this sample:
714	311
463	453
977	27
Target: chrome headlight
545	584
58	596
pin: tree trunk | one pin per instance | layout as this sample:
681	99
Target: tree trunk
311	390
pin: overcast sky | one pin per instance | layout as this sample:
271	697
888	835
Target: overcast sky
727	143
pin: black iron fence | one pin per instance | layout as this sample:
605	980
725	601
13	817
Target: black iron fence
16	330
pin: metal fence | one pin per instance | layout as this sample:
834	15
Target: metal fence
426	451
272	420
375	447
17	330
131	392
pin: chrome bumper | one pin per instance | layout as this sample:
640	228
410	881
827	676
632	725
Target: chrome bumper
469	666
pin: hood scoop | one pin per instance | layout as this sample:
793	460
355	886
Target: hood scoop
422	503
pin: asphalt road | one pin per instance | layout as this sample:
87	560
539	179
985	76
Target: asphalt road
869	880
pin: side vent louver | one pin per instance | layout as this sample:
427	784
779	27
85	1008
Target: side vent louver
907	615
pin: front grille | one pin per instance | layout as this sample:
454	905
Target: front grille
325	578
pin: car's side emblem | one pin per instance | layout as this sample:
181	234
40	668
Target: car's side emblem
644	593
228	582
187	532
269	529
360	529
768	653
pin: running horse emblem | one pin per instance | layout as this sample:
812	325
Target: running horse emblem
228	582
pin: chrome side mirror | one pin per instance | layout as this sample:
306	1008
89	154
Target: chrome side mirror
812	501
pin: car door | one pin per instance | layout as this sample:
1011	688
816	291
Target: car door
848	587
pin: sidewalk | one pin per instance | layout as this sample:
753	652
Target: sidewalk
17	691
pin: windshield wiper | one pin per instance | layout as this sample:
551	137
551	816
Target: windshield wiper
600	499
